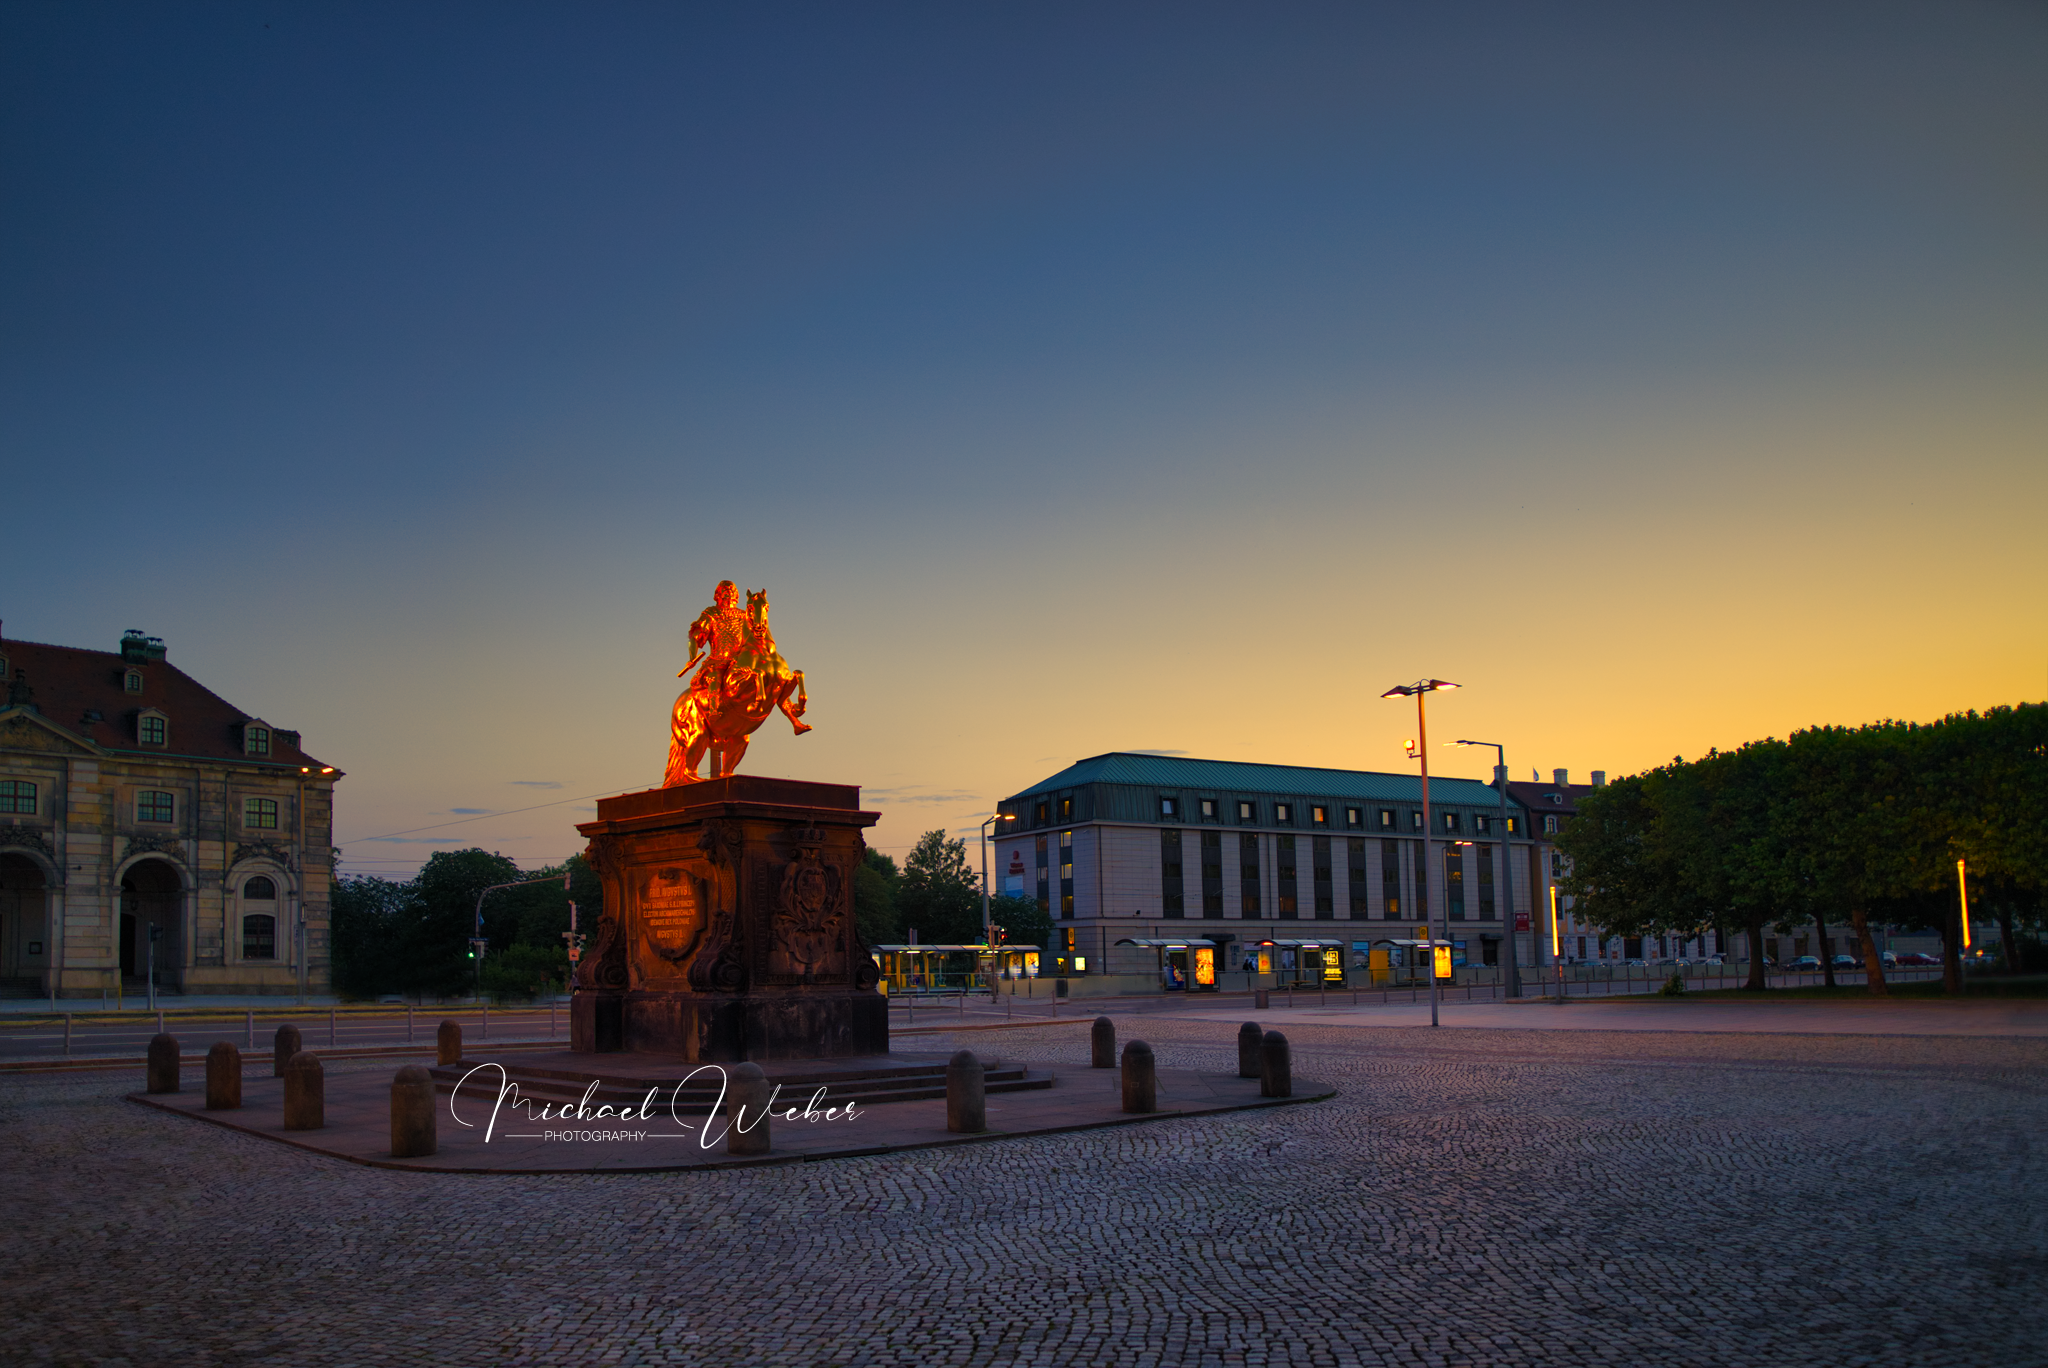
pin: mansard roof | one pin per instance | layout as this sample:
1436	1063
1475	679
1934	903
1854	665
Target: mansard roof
1182	774
69	683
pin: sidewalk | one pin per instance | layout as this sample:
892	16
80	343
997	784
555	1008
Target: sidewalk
1995	1017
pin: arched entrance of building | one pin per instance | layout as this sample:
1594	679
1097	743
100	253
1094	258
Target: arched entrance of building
152	895
24	923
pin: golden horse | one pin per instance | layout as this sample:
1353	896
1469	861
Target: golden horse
730	698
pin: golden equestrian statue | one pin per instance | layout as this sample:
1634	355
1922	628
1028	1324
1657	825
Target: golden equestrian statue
743	679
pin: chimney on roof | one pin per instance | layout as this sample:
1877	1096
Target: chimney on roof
138	647
1561	778
1599	778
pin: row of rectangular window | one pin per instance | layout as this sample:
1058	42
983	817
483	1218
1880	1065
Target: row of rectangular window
1286	881
1211	809
1385	819
151	805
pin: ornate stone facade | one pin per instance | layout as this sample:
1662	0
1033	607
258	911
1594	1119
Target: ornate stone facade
133	797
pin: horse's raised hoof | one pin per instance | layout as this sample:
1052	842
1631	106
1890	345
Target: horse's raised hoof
801	727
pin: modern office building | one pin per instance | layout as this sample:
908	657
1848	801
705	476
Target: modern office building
146	822
1132	846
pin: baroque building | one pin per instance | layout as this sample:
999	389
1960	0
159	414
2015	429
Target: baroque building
147	822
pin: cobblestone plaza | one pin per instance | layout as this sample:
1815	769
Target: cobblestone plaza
1469	1197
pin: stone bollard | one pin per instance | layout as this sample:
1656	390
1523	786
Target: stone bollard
282	1048
966	1094
1248	1037
223	1077
305	1092
448	1043
163	1064
1262	999
1102	1040
1141	1079
747	1092
412	1113
1276	1067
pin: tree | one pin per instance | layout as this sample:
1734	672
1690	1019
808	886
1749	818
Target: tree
875	915
1020	920
371	919
939	895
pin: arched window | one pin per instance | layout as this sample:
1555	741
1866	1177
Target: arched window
260	887
259	935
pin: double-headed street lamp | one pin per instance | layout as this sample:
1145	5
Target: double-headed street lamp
1507	860
988	931
1418	689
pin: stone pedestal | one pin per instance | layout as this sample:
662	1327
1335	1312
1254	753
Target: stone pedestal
728	929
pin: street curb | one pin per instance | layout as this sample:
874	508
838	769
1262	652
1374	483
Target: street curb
30	1066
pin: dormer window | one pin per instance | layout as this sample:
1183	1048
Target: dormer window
131	680
255	740
153	729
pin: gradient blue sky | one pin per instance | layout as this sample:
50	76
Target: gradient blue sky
1074	377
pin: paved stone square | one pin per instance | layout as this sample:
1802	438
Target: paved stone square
1474	1197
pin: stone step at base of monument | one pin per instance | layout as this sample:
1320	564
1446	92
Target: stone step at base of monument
864	1087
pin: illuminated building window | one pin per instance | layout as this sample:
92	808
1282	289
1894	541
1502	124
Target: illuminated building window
1386	819
1246	812
259	813
1169	807
1354	817
1208	809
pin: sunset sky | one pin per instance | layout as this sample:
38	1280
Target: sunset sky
1074	377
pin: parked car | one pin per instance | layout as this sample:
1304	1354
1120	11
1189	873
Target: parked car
1888	959
1804	964
1636	964
1847	962
1918	960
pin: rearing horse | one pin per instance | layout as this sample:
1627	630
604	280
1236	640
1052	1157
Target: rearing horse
730	698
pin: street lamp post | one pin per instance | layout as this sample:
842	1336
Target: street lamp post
1418	689
988	931
1507	862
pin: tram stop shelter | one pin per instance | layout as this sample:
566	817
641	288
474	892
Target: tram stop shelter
1185	962
927	968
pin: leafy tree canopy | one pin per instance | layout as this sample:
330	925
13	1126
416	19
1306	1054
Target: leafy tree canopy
938	894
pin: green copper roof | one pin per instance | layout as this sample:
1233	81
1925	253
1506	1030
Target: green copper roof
1178	774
